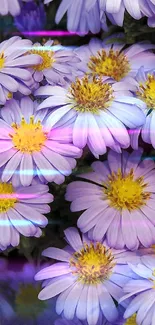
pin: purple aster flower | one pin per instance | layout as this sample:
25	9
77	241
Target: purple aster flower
21	212
14	59
82	15
32	17
142	290
58	63
10	6
106	59
100	112
25	306
145	92
88	278
119	195
29	148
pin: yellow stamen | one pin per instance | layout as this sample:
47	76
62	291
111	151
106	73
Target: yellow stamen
125	192
147	92
113	64
2	60
28	137
7	197
10	95
47	59
131	320
92	264
91	95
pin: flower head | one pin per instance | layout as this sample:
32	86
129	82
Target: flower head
21	211
58	64
142	290
120	196
31	18
14	59
146	92
90	273
100	112
108	59
29	148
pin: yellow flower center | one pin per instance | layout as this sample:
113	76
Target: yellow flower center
113	64
90	95
131	320
28	137
2	60
147	92
92	264
10	95
27	303
47	59
7	197
125	192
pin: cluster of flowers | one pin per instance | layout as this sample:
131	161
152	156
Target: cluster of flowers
89	15
55	102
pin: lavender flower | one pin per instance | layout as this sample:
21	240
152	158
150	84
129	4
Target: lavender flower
29	148
119	195
142	290
99	111
21	212
109	60
145	92
87	279
14	59
58	63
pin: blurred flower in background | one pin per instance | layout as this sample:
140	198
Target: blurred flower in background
24	306
32	17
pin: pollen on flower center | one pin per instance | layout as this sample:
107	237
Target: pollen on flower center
92	264
27	303
47	59
28	137
90	95
125	192
7	197
113	64
131	320
147	91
